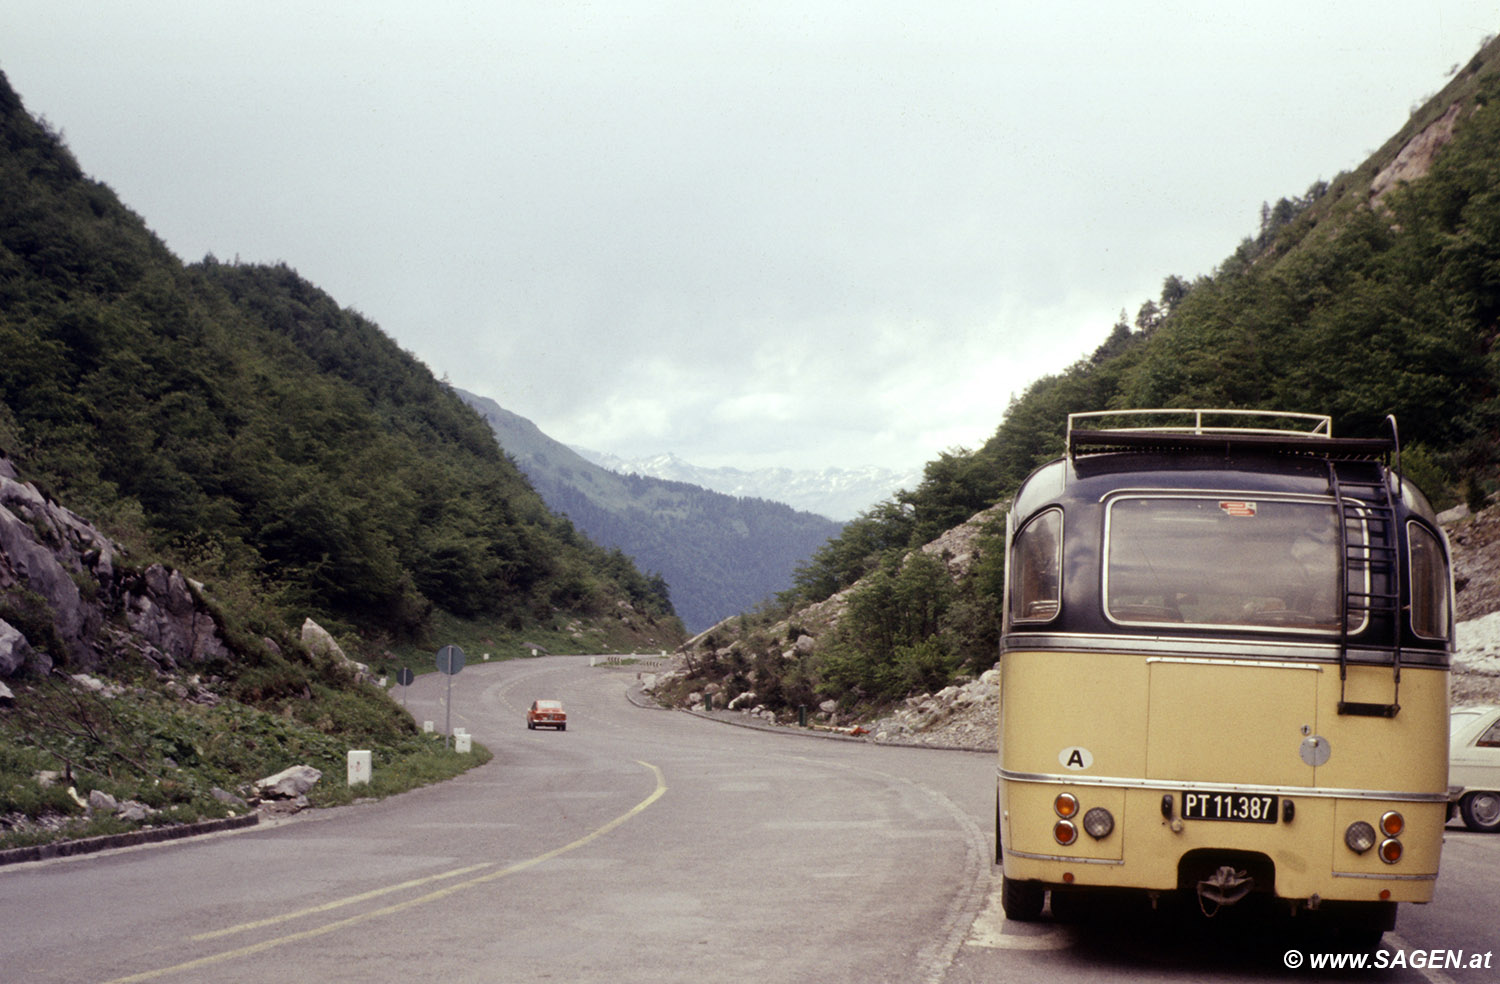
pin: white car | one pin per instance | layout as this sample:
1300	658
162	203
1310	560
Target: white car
1474	765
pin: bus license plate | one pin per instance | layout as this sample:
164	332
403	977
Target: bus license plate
1247	807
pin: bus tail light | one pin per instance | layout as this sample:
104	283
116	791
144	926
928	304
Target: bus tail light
1065	832
1360	837
1392	824
1390	850
1098	823
1066	805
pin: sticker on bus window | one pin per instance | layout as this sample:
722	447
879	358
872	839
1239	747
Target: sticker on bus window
1234	507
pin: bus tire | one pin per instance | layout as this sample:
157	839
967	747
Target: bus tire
1022	901
1481	811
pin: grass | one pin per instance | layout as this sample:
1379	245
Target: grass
144	744
421	765
241	721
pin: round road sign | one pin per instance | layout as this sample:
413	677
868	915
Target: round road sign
450	659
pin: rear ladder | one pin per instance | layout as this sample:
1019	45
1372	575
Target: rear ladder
1370	575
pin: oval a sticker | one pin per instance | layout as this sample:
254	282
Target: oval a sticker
1076	758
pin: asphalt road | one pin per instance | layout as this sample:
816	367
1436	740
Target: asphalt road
639	845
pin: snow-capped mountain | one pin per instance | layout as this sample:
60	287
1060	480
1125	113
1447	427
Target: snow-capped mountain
719	554
837	493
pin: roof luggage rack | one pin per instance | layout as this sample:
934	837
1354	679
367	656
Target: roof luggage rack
1169	430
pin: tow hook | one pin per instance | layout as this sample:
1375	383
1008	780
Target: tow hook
1224	887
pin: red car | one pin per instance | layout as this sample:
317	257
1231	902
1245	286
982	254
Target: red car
547	714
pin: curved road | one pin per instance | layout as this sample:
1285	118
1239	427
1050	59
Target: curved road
638	845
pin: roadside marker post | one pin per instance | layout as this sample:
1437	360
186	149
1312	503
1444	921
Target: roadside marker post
360	771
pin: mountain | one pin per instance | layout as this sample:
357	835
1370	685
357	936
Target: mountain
236	422
838	493
1374	294
719	554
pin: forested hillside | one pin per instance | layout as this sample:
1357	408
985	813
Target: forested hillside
1376	293
237	422
718	554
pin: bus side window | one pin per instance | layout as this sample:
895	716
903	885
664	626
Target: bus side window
1429	584
1036	586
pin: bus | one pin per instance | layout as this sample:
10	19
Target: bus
1224	673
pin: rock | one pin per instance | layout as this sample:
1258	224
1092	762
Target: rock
229	799
829	706
749	697
133	810
48	551
15	651
161	607
101	802
320	642
289	783
40	569
94	685
805	644
6	697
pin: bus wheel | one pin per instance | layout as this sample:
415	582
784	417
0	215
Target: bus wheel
1022	901
1481	811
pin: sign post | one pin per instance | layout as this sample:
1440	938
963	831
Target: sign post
450	659
404	677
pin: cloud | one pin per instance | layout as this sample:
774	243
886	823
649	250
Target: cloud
788	233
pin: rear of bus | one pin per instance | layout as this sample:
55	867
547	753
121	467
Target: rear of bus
1224	677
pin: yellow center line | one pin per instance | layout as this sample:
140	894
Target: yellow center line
339	903
441	893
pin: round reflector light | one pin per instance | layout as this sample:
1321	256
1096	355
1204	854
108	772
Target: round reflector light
1360	837
1098	822
1392	824
1065	832
1066	805
1390	851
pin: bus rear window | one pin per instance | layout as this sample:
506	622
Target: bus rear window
1231	562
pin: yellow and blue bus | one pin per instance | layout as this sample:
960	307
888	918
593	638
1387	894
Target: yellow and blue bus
1224	672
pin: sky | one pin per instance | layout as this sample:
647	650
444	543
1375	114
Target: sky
800	234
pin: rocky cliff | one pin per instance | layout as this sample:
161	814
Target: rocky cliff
68	599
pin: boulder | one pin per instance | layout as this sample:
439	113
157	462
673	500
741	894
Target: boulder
133	810
289	783
320	642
